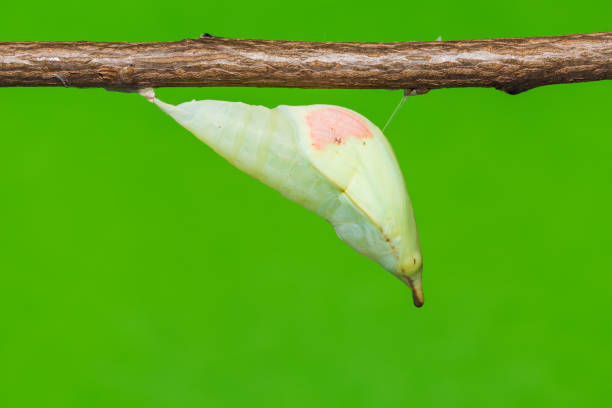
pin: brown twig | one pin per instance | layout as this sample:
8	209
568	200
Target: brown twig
512	65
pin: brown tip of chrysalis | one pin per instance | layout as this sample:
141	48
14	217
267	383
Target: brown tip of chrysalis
417	296
416	285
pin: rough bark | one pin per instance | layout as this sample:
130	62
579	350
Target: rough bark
512	65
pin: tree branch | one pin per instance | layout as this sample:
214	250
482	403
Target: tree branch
512	65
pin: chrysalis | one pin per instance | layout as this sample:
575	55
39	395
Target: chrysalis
329	159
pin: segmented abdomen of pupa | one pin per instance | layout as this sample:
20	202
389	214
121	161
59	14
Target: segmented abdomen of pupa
327	158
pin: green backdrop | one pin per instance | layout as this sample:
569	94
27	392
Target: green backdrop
139	269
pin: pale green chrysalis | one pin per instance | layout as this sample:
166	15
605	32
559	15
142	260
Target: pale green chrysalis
329	159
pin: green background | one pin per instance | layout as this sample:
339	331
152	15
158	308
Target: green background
139	269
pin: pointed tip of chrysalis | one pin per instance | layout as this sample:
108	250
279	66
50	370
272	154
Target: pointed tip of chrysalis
415	282
148	93
174	111
417	295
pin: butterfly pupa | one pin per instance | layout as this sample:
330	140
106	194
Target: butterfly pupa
329	159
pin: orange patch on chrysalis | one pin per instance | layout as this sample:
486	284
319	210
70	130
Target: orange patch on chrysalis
333	125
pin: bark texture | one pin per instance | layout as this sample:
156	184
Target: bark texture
512	65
